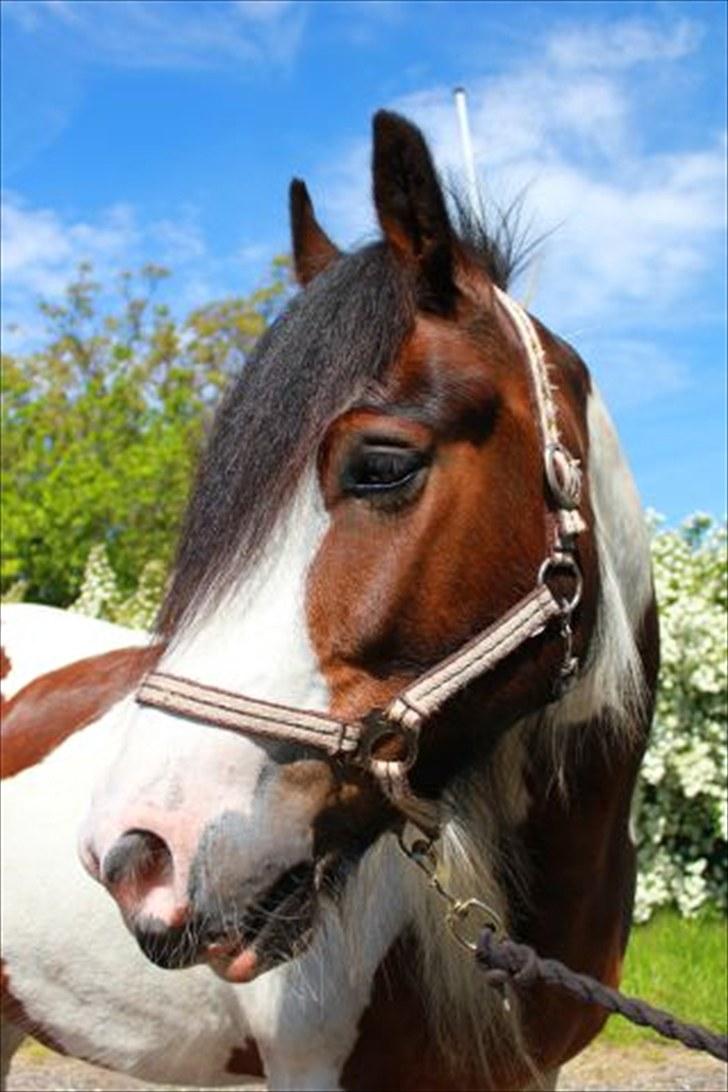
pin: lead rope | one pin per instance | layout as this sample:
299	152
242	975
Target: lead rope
505	962
479	929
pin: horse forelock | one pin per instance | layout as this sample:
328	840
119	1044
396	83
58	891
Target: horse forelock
333	342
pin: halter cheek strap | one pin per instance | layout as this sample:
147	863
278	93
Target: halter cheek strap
356	741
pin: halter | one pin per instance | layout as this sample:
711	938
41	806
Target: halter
403	718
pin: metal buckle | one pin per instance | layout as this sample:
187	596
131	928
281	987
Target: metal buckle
563	474
459	913
378	727
457	920
564	563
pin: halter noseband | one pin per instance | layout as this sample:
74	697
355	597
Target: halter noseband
403	717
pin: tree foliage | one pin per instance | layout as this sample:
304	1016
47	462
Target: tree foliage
102	426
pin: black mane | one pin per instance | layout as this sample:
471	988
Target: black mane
331	342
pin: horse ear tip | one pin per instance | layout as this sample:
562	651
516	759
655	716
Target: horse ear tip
298	194
387	121
392	130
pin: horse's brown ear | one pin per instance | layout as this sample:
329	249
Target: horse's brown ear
411	209
313	251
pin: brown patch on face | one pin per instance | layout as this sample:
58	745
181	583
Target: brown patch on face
14	1012
245	1061
49	709
396	587
338	803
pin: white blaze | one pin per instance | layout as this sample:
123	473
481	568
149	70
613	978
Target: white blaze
174	776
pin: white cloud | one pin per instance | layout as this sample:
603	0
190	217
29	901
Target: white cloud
263	10
623	43
630	234
178	241
62	9
42	251
633	371
174	34
634	239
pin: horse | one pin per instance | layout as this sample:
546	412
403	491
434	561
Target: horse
412	601
86	992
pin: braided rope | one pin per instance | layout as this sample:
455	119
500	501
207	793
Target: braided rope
505	961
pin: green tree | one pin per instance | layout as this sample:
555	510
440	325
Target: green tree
102	426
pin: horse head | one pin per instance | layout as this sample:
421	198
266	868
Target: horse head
373	495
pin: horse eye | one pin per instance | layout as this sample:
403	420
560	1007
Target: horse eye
375	469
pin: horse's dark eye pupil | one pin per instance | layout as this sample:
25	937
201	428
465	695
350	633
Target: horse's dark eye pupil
375	469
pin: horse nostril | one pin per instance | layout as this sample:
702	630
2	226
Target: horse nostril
137	856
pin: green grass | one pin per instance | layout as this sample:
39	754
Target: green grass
679	965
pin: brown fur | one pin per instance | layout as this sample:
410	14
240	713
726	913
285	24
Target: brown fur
49	709
245	1061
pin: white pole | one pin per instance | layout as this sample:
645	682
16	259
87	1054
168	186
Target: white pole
461	105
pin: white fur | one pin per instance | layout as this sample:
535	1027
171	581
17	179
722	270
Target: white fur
70	960
612	684
80	974
37	639
304	1014
255	642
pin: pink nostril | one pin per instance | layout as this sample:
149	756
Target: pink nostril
139	872
138	860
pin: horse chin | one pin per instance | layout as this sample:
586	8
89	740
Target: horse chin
239	963
276	929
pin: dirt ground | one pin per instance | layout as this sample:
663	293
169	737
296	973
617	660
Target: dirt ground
601	1068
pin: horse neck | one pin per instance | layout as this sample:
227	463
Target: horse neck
425	997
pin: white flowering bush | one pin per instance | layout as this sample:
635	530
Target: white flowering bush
100	596
680	813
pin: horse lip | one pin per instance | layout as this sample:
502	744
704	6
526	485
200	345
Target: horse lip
277	927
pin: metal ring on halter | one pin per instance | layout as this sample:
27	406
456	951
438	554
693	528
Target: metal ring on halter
563	475
566	563
458	914
378	727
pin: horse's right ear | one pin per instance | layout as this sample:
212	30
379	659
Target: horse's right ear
411	209
313	251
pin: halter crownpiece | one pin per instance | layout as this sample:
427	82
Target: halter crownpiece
355	741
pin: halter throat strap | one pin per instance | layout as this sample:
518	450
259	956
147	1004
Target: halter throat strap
356	741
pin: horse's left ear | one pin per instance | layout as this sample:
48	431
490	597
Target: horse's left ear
411	209
313	251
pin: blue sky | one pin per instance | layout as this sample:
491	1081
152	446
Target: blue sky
169	131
